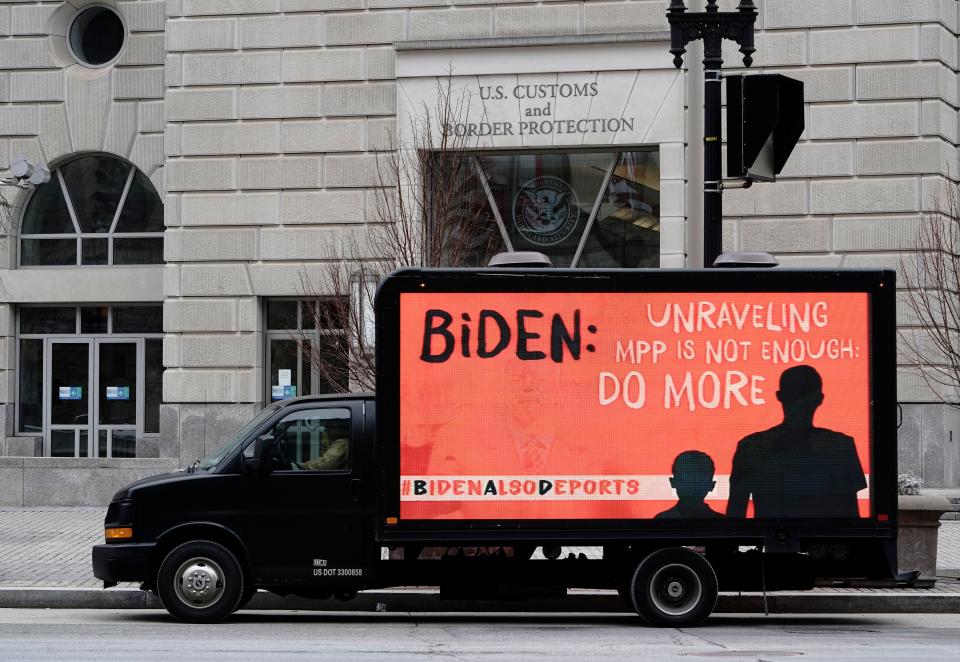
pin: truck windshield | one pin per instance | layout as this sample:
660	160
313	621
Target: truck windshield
244	432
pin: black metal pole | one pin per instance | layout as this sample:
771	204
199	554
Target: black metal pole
712	150
712	26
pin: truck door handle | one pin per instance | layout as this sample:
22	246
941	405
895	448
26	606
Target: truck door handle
355	489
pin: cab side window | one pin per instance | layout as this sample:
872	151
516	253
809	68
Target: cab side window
313	440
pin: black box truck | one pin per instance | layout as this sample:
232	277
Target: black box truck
708	430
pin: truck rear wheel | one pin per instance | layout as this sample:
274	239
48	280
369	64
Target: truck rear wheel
674	587
200	582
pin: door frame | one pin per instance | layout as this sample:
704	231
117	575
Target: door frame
48	425
269	337
93	426
139	381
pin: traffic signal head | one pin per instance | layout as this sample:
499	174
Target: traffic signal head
764	122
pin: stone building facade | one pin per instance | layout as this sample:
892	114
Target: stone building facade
259	124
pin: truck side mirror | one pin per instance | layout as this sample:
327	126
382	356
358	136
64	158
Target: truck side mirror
260	463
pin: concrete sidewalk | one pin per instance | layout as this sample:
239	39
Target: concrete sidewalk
45	562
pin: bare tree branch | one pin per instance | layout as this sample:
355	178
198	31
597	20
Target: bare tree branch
932	278
430	210
6	215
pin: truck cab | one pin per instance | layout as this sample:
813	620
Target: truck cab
283	505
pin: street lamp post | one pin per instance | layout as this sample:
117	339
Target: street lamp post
712	26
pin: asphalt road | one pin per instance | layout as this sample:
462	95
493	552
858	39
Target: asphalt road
151	635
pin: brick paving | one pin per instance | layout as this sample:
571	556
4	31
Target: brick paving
50	547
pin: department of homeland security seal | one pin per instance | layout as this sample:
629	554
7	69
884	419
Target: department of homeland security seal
546	210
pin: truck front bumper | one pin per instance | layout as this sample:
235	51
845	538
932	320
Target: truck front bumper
115	563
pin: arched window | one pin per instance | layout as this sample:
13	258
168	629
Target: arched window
96	210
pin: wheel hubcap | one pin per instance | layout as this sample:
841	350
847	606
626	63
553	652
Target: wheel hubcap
675	589
199	582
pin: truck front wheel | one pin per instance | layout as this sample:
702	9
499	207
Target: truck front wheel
674	587
200	582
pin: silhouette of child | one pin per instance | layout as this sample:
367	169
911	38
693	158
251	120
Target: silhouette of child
693	480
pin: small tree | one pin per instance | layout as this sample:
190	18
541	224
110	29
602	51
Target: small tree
932	279
7	227
6	214
431	210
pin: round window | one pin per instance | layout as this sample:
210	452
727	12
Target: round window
96	36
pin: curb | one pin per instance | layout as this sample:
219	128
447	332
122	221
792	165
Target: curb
889	602
76	598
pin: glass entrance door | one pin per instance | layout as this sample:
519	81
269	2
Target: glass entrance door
290	371
68	402
94	401
119	405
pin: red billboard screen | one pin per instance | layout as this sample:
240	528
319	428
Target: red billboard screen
645	405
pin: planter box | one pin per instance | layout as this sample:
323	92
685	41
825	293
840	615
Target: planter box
917	529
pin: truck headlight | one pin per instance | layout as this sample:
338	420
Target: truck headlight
119	521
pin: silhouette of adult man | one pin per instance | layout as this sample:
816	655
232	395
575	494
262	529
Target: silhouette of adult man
693	481
795	469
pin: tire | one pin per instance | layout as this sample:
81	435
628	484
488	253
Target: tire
200	582
674	587
626	595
